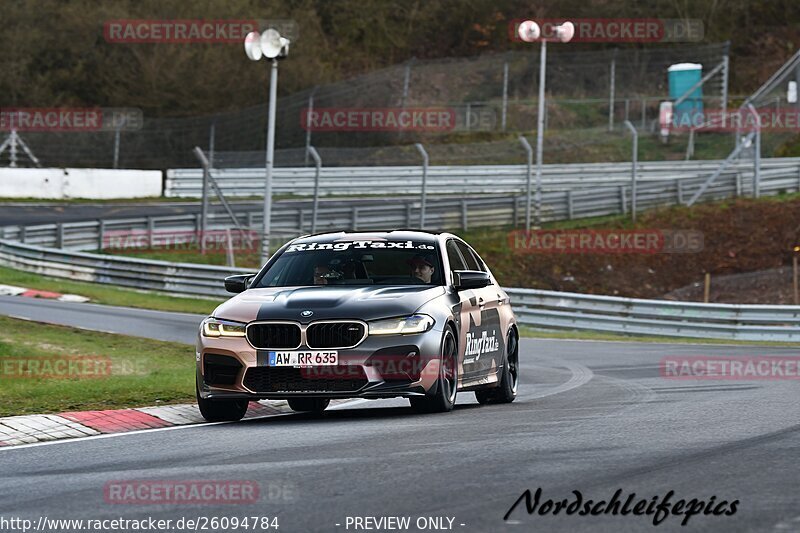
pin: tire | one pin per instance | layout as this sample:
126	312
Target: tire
221	410
444	398
509	380
309	405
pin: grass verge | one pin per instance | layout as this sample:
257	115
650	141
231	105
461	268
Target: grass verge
143	372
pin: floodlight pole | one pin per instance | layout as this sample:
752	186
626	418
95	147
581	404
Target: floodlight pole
273	94
540	131
529	31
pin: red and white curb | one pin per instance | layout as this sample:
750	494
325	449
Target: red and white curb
29	429
12	290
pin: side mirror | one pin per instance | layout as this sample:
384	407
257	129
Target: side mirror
470	279
237	284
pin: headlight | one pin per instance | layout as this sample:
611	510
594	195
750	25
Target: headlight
214	327
402	325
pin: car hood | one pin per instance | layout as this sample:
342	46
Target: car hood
287	303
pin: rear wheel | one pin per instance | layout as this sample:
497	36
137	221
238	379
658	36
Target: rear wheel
509	380
446	387
221	410
309	405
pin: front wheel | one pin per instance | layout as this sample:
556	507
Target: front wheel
509	380
221	410
309	405
446	386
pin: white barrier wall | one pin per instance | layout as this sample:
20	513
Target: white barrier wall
98	183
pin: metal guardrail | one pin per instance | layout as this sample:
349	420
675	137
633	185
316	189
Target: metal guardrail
563	310
472	179
52	249
535	308
180	278
446	214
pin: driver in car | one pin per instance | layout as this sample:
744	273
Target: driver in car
422	267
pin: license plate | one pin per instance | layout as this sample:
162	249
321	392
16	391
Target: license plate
310	358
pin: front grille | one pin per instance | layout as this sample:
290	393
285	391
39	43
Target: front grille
262	379
220	369
334	334
274	335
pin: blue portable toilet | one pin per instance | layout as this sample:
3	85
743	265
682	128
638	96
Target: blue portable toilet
681	78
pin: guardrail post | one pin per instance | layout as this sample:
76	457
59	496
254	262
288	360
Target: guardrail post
408	214
60	235
301	220
516	211
464	215
634	162
250	219
505	96
355	218
101	233
644	113
623	199
203	221
738	184
679	188
569	205
150	228
529	185
309	114
424	154
798	178
22	234
611	91
757	155
318	167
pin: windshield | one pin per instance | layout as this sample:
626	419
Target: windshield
374	262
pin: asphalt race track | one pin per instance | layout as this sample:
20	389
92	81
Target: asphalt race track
159	325
592	417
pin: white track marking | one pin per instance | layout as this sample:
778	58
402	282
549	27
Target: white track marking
580	375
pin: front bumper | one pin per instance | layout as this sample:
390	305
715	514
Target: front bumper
382	366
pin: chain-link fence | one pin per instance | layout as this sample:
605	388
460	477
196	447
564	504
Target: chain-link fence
485	97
